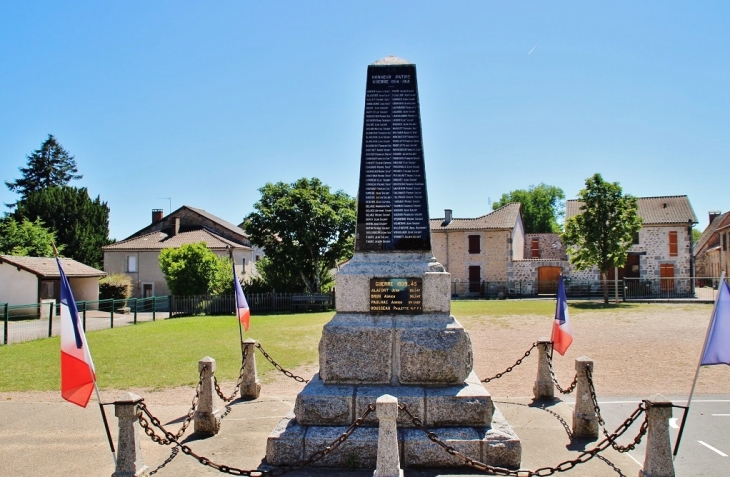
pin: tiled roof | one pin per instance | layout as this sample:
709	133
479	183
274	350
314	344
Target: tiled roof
503	218
47	267
709	237
160	240
672	209
218	220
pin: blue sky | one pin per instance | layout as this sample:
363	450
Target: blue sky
205	102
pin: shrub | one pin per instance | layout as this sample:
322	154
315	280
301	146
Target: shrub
116	285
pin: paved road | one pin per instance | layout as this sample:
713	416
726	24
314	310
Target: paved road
705	444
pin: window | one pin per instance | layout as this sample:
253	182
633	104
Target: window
47	290
258	257
535	247
673	244
474	244
243	264
132	263
635	241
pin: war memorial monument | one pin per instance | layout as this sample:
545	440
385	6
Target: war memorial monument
393	332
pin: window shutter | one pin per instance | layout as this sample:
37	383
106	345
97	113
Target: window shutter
474	246
535	247
673	244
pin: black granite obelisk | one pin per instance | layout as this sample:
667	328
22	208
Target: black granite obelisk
392	205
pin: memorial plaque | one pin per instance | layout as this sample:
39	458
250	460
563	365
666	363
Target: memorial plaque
396	296
392	208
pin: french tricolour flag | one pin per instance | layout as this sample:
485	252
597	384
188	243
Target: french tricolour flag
244	314
77	369
717	346
562	334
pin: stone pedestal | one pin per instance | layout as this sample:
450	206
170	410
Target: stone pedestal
206	420
544	387
251	385
585	421
423	360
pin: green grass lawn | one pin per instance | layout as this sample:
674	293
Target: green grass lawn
165	353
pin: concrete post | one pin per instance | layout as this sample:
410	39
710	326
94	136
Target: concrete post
585	421
544	387
206	418
251	385
388	464
129	452
658	459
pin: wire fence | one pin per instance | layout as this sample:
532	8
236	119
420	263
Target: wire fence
257	302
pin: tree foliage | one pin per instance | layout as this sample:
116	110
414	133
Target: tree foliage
305	229
26	238
193	269
542	207
49	166
80	223
602	233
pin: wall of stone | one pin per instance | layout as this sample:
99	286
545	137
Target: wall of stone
451	249
654	242
551	247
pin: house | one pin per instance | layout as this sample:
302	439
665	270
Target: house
710	251
479	249
137	256
27	280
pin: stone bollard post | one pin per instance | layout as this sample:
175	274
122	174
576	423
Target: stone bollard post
251	385
388	464
585	421
658	459
207	419
129	452
544	387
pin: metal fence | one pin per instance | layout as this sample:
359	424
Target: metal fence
628	289
257	302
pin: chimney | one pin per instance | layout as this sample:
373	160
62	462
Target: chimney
714	214
447	216
156	215
175	226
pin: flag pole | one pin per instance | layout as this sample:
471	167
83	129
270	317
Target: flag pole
235	302
98	396
699	365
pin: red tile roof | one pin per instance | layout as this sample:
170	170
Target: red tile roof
160	240
48	268
503	218
672	209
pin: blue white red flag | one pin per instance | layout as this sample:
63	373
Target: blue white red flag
244	314
717	348
77	369
562	335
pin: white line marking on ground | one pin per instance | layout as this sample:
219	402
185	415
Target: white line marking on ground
720	415
712	448
637	402
673	423
634	459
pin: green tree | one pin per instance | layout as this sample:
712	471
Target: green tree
602	233
49	166
192	269
80	223
26	238
305	229
542	207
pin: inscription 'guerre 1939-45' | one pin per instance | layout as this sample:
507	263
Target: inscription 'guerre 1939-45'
396	296
392	211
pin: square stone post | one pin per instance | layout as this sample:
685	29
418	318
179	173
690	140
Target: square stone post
585	421
658	458
251	385
544	387
129	452
206	418
388	464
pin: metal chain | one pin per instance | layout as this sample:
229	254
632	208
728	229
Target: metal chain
278	367
602	422
543	471
170	438
239	382
567	390
173	454
510	368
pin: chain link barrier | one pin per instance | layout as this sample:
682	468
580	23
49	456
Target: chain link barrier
279	368
239	382
584	456
510	368
567	390
175	451
170	438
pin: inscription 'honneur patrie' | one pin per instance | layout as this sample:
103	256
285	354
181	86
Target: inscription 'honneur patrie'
392	212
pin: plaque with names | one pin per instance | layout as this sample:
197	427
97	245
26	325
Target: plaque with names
392	208
396	296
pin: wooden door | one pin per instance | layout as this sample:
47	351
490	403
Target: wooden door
666	277
629	270
475	278
547	279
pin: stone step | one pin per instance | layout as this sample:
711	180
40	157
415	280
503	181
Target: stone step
469	404
291	443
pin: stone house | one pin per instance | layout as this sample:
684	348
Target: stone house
479	249
137	256
28	280
709	246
